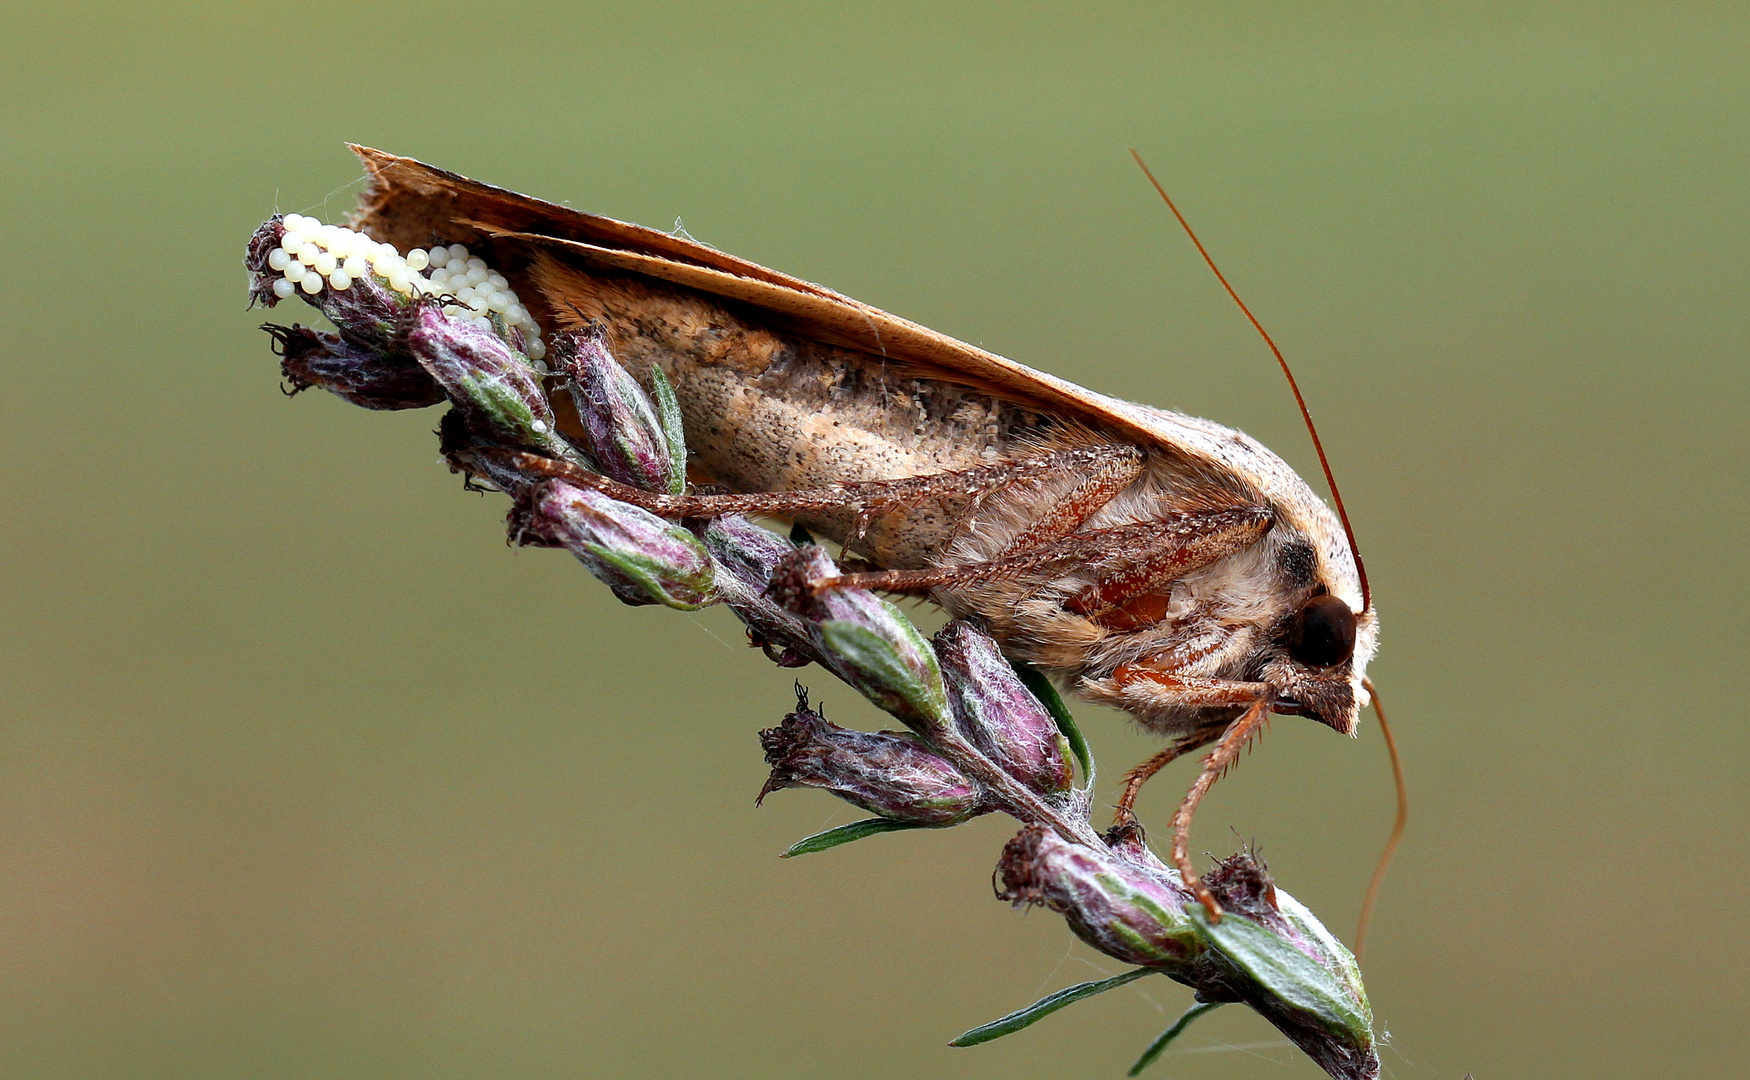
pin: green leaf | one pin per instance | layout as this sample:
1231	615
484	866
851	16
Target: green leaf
668	418
1045	1006
1155	1048
1287	974
1040	687
844	834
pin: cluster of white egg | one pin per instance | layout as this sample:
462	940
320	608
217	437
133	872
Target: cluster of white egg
313	256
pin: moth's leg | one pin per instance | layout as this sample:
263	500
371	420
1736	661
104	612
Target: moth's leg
1124	585
1127	560
1167	688
1135	778
1102	480
876	496
1105	469
1163	690
1233	740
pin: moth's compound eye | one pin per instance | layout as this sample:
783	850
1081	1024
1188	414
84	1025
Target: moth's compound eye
1322	632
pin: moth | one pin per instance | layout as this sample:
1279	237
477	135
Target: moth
1169	566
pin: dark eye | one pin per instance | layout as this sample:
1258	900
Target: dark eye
1322	632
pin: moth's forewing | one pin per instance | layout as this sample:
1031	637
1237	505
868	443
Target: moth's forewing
409	203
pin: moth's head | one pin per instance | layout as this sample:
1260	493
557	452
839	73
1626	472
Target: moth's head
1315	652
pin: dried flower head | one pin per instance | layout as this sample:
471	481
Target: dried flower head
365	377
641	557
890	773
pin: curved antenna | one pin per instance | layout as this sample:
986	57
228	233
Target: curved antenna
1397	828
1318	445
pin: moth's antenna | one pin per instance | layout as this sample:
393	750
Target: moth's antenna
1397	828
1330	480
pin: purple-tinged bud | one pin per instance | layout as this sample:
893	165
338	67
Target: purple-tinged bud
633	439
1121	909
889	773
1267	951
498	393
746	556
371	379
255	255
641	557
998	714
866	641
368	313
748	553
1270	952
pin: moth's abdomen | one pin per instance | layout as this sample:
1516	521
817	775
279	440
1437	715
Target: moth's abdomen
765	411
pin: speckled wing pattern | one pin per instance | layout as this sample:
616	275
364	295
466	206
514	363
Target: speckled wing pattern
420	199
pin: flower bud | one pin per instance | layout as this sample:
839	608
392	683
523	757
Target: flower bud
1118	907
641	557
1270	952
371	379
498	393
746	556
865	640
368	313
367	286
632	439
998	714
1267	951
889	773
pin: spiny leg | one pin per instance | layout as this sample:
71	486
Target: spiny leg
1174	545
1183	544
1135	778
878	496
1190	691
1186	691
1233	740
1101	482
1142	555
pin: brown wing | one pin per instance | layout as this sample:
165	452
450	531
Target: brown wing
408	203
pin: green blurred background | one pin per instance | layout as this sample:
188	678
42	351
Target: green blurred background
303	774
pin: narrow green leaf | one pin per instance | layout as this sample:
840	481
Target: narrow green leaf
1045	1006
1289	975
844	834
1155	1048
1040	686
668	418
